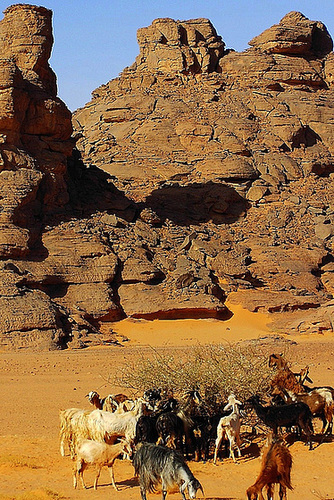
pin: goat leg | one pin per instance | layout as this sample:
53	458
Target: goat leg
282	492
270	491
75	482
82	479
98	472
218	443
143	493
111	472
232	453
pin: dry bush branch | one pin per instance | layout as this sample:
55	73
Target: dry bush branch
216	370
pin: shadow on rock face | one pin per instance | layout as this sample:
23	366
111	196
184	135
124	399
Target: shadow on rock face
92	189
197	203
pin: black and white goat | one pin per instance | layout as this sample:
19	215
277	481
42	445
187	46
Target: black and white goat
156	464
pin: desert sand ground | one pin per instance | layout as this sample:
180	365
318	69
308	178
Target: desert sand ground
34	386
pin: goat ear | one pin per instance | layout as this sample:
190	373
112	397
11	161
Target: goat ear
183	487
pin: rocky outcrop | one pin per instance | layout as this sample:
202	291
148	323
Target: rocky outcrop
295	35
35	128
229	159
200	174
170	46
35	141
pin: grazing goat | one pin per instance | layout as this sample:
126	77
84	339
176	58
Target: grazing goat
146	431
152	396
285	416
157	464
165	405
205	429
229	427
98	454
172	425
275	468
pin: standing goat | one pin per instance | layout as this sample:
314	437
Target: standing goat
275	468
285	383
157	464
98	454
229	427
72	428
285	416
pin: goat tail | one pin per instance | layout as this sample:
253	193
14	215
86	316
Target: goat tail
286	480
329	410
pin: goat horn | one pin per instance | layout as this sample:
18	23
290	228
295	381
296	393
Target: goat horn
201	488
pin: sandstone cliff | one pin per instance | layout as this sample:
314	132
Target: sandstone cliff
229	159
201	174
35	136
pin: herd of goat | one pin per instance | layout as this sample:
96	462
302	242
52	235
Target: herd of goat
159	433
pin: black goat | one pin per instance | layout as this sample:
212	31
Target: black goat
205	431
157	464
169	404
285	416
146	431
170	429
152	396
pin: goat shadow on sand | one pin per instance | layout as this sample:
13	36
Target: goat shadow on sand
132	482
250	451
221	498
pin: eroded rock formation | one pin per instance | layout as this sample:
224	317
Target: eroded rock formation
35	136
201	174
229	157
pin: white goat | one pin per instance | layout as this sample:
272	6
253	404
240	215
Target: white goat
98	425
72	428
98	454
106	426
229	427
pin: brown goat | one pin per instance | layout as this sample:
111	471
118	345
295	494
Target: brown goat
277	361
284	378
109	403
275	468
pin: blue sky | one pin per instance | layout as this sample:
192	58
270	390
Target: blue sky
96	40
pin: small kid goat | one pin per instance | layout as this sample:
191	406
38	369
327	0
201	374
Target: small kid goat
98	454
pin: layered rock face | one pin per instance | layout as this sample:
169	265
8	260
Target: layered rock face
35	141
201	175
229	159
